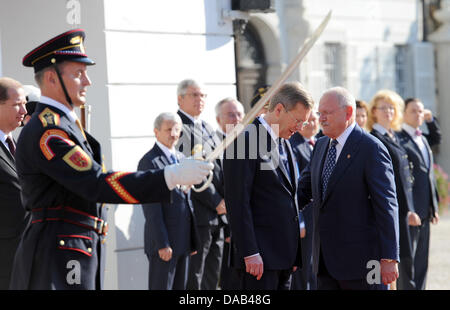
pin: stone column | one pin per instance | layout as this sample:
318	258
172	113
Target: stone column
441	40
296	29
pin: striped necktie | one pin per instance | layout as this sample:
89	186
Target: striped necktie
329	166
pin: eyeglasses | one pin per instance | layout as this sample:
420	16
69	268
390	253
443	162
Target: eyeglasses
234	114
298	124
197	95
386	108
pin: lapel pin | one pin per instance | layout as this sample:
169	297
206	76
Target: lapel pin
348	156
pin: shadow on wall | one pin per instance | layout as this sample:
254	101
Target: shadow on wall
132	263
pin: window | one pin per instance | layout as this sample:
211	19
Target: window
333	64
401	78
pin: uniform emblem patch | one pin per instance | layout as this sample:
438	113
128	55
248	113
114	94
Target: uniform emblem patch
52	134
78	159
48	117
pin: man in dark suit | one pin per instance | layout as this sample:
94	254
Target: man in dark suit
229	112
64	182
351	183
198	138
170	233
13	217
302	143
261	193
424	189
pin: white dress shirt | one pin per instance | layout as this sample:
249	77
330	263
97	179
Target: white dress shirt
195	120
3	137
343	138
167	152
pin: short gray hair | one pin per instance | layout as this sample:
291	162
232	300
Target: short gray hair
166	116
289	95
224	100
185	84
345	98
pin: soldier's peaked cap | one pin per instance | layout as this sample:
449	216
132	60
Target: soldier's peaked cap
68	46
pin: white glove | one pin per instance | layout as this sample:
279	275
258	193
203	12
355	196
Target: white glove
189	171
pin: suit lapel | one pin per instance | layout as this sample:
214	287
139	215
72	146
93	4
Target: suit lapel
345	159
416	147
275	157
6	156
294	172
161	160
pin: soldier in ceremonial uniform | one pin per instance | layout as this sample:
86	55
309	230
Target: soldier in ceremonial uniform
60	169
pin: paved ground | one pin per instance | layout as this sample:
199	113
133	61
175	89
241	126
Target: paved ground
439	259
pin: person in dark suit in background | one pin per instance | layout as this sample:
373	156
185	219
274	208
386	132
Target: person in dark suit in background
351	183
385	118
261	193
13	217
302	143
229	112
170	233
198	138
418	148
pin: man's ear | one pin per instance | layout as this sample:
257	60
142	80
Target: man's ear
349	112
278	108
50	77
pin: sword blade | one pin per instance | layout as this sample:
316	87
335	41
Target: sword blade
278	83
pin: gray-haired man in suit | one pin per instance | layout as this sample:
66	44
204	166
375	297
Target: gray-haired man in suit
170	232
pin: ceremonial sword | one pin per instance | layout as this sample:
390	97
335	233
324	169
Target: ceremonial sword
250	116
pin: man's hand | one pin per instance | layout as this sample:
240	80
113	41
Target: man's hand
302	232
221	207
254	266
427	115
165	253
435	219
188	172
413	219
389	271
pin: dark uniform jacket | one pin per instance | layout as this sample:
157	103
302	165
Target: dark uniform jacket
62	183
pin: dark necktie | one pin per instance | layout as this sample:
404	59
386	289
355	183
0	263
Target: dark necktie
173	159
330	162
284	157
11	145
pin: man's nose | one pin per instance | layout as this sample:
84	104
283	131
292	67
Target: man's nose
23	109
